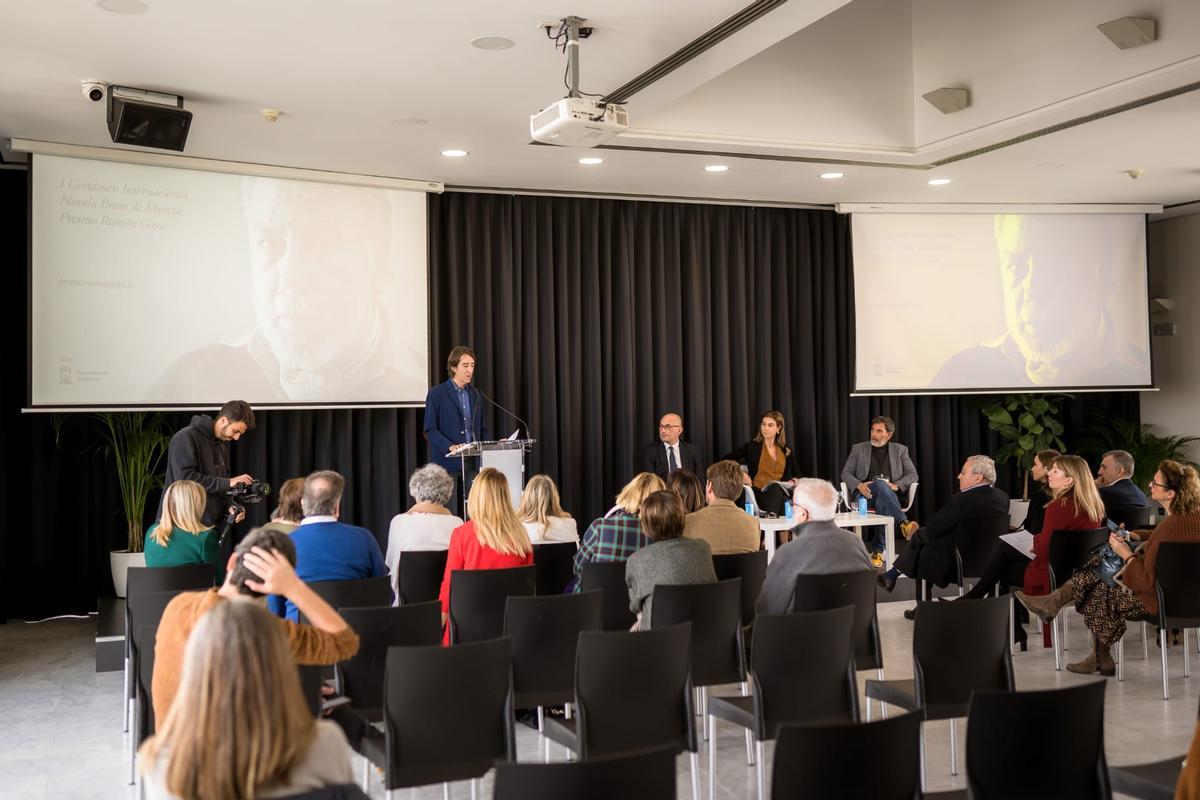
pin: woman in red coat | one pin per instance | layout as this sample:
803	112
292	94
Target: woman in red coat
1076	507
493	538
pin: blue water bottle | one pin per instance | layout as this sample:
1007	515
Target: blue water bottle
787	509
750	508
862	506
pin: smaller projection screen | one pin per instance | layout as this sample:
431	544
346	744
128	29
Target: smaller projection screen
1000	302
157	286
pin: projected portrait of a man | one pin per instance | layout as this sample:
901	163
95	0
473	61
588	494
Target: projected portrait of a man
1056	274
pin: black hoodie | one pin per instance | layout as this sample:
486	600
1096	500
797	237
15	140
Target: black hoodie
197	455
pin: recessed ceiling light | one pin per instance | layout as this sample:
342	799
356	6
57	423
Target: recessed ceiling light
716	168
492	43
938	181
410	121
832	176
123	6
591	161
455	153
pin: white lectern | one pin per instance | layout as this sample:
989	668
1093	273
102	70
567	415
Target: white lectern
506	455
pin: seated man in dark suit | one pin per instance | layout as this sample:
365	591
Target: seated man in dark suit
930	552
326	549
670	452
1115	484
818	547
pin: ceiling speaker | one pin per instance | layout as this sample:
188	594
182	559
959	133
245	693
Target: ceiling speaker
947	100
147	119
1128	32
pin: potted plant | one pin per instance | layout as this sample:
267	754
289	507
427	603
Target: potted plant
1027	424
1137	439
137	442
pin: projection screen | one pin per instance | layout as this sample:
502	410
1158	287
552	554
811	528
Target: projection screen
154	285
1000	302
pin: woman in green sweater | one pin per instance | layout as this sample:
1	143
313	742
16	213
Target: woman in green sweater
180	537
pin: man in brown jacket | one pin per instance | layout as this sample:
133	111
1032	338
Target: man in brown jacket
263	563
722	523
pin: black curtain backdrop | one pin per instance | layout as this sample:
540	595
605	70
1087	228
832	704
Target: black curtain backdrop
590	318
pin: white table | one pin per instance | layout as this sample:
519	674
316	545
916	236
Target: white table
772	527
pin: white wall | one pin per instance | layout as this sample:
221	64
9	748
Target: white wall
1175	274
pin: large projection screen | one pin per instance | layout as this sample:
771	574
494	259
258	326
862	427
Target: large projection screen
157	286
1000	302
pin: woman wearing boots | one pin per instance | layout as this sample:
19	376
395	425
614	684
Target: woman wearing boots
1105	608
1076	506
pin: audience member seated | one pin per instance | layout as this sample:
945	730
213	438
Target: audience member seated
618	534
1104	607
326	549
263	563
428	524
287	515
1076	507
668	560
179	537
723	523
1039	492
768	462
493	538
240	726
670	452
686	484
1114	479
929	555
542	514
881	471
818	547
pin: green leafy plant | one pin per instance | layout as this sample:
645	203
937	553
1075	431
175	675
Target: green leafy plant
1027	423
137	441
1137	439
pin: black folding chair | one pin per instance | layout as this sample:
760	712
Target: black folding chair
1176	569
838	589
1069	550
811	760
477	599
143	718
632	693
360	677
803	673
975	540
645	776
608	577
958	648
311	684
447	714
555	563
545	635
1132	518
420	576
752	569
356	593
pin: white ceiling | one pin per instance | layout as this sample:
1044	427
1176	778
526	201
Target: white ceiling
823	80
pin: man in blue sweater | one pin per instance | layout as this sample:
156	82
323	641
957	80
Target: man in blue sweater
326	549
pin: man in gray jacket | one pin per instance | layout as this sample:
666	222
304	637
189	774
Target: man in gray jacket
880	470
818	547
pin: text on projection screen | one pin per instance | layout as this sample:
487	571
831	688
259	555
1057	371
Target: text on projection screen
154	285
978	302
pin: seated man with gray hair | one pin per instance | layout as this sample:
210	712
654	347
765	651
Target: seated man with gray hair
1114	481
930	552
326	549
818	547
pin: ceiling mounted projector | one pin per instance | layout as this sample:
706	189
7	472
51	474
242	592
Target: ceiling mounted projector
576	120
147	119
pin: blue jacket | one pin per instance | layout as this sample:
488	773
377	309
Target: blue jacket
331	551
445	424
1122	494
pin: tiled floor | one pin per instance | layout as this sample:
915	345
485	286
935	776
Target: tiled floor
61	736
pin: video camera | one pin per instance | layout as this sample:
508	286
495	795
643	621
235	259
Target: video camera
241	495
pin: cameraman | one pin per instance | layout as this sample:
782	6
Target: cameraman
200	453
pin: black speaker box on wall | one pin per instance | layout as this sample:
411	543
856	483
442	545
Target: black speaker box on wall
147	124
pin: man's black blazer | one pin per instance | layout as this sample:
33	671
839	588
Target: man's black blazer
937	563
654	459
1122	494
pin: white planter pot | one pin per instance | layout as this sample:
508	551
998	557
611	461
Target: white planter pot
1017	511
120	561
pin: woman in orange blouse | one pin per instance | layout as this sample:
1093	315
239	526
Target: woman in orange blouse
767	460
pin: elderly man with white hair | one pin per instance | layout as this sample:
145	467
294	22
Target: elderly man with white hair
930	552
818	547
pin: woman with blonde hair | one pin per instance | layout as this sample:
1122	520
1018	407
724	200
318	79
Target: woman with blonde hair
542	515
493	537
618	534
179	537
238	727
767	462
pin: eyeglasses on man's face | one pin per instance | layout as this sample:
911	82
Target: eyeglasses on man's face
667	427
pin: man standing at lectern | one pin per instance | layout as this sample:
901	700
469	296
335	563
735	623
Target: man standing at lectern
453	418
